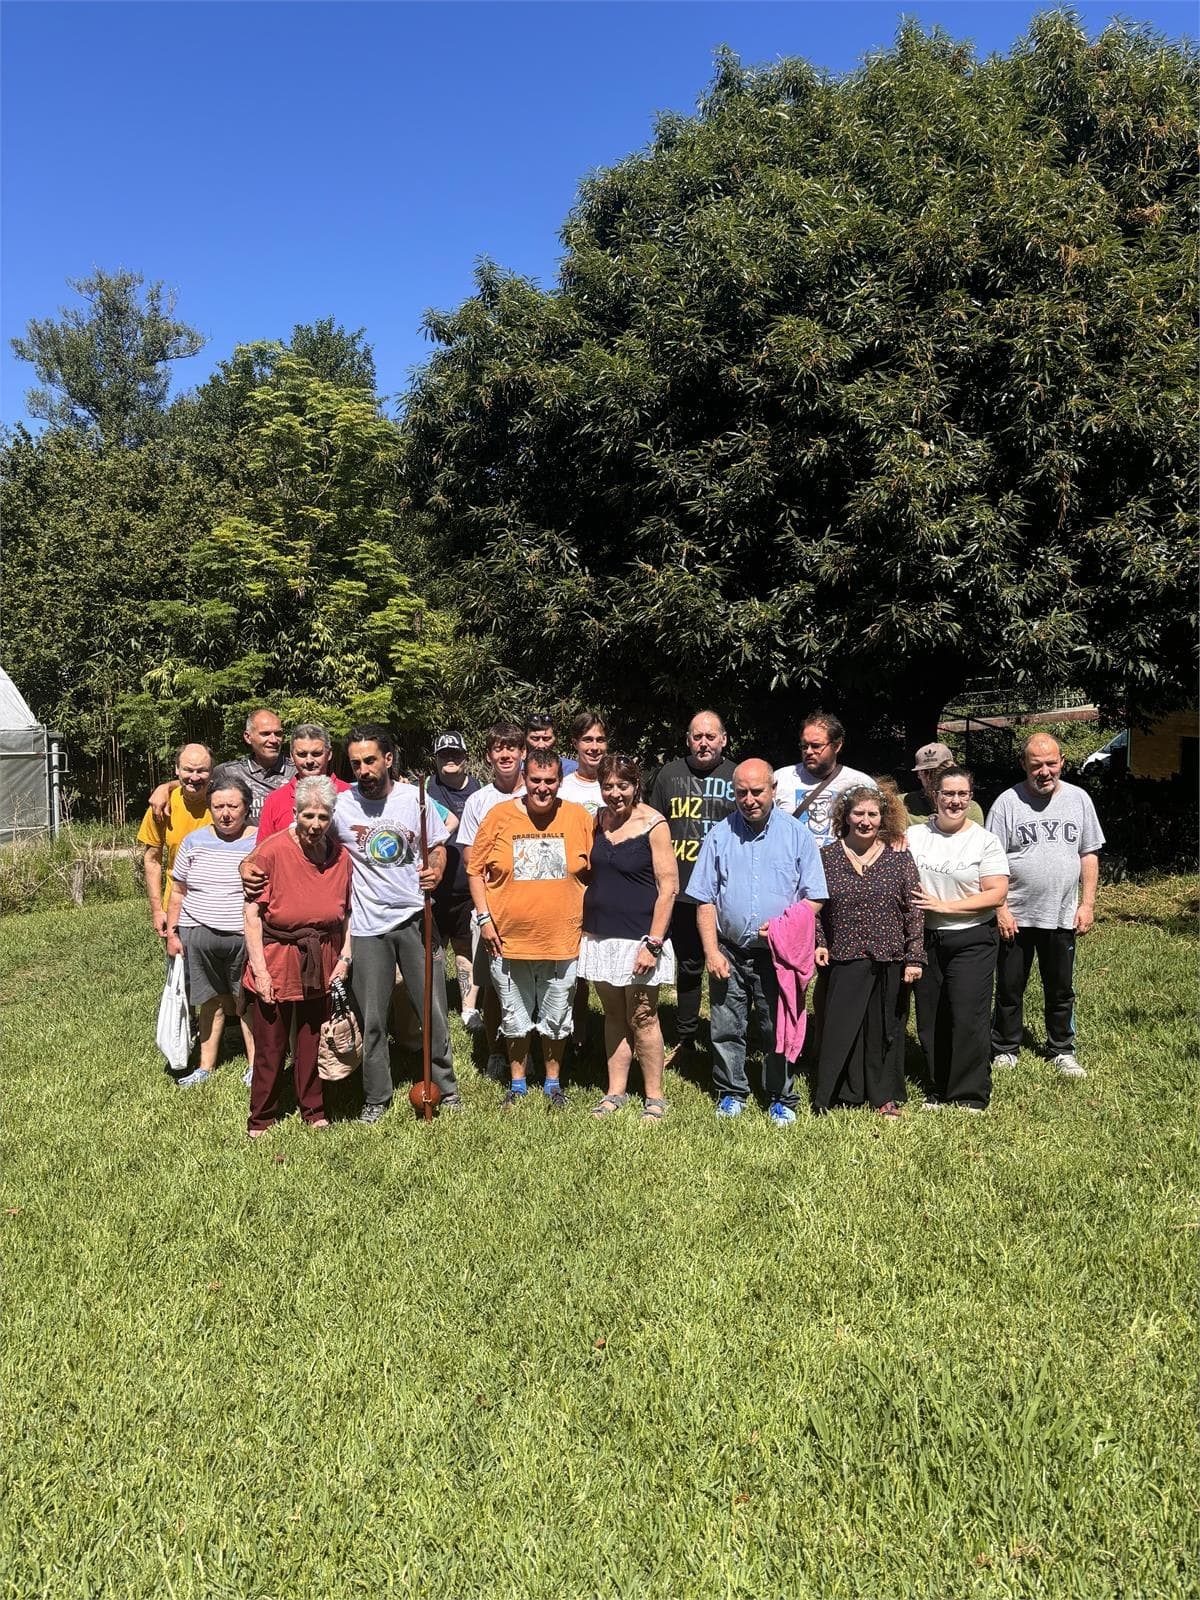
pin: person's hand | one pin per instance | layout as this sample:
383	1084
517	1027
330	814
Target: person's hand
644	962
428	878
263	987
341	968
1084	918
821	956
158	918
912	973
254	879
490	935
717	966
929	902
160	802
1007	923
174	944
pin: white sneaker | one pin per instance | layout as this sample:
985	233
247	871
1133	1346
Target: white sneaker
1003	1060
1068	1067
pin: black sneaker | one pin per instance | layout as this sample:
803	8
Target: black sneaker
513	1099
370	1113
556	1100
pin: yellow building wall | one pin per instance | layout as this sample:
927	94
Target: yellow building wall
1156	754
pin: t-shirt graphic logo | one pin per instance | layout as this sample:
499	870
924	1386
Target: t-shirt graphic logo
537	859
390	847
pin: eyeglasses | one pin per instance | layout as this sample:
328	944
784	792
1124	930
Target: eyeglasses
814	744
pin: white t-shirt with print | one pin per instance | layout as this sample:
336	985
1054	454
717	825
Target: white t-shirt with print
384	841
951	866
794	782
477	807
583	792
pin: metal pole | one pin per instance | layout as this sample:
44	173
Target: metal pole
55	790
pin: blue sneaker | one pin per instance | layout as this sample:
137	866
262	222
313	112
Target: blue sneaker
781	1116
194	1079
730	1106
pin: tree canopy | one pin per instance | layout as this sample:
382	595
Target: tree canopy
105	365
848	388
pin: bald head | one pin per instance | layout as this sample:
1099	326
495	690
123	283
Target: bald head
193	768
754	792
1041	756
706	741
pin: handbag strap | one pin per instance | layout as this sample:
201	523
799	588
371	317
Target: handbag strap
815	794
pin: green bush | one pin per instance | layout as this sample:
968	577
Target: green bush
84	864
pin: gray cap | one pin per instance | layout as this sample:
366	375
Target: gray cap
933	755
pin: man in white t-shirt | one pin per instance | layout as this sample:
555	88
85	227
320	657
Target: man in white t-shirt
379	823
1052	837
589	737
505	751
807	789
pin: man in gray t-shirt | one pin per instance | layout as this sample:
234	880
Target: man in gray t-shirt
1052	837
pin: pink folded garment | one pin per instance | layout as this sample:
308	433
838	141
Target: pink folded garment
791	940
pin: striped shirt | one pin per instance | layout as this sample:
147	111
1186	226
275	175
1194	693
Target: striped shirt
206	867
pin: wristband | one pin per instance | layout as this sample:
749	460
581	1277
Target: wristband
655	946
481	917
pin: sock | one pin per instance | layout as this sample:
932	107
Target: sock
550	1085
519	1086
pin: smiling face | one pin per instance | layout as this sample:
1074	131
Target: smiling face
313	757
1043	763
193	769
312	824
265	737
542	783
620	795
952	798
590	749
706	740
505	757
864	822
371	767
754	792
228	807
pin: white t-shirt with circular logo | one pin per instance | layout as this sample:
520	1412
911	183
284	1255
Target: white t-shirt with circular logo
384	841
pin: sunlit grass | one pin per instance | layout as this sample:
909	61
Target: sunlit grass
529	1356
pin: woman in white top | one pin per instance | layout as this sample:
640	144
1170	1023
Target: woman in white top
964	877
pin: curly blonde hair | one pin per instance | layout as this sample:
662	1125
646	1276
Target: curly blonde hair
893	818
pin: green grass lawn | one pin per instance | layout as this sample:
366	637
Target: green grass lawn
536	1357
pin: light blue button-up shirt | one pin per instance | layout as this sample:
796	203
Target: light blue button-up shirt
752	877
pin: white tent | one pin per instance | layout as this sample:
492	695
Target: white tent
30	764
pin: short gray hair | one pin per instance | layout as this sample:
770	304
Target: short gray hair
318	788
311	730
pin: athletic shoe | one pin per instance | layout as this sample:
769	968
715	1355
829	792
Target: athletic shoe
1068	1067
472	1020
730	1106
451	1102
556	1100
513	1099
496	1067
781	1116
932	1103
1003	1060
370	1114
194	1079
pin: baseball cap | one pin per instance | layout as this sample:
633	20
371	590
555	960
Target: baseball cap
450	740
933	755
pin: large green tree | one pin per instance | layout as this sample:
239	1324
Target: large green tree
105	365
852	388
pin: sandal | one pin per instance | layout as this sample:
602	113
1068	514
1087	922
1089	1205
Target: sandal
654	1110
610	1104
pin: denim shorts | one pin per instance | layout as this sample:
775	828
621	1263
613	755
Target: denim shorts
535	996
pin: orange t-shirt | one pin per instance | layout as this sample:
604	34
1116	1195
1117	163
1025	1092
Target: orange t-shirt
533	876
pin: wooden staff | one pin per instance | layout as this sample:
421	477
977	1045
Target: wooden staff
424	1096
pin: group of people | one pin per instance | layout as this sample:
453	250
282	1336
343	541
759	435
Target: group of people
280	884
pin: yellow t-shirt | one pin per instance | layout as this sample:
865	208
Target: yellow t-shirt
181	820
534	878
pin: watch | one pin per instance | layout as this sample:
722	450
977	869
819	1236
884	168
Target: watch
655	946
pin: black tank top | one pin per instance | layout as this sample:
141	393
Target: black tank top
621	891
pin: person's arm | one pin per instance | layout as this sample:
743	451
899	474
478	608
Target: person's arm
152	869
174	906
160	799
252	921
1089	878
429	877
914	924
666	879
254	879
991	893
706	927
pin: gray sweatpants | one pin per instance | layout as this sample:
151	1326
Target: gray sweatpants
375	958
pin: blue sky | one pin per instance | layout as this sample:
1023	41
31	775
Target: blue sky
277	163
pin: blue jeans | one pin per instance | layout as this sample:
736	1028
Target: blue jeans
748	997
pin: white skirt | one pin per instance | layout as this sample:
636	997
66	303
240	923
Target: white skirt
611	961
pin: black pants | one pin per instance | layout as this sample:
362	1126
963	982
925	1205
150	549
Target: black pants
689	970
954	1004
862	1042
1055	951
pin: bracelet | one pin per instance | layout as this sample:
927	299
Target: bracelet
481	917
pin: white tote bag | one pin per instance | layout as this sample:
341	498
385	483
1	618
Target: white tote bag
174	1032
